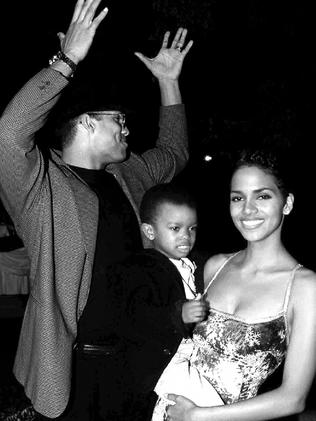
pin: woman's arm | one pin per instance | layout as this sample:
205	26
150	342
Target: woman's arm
299	368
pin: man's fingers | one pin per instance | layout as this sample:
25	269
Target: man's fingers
187	48
100	17
183	36
84	7
85	10
77	10
89	16
165	40
176	38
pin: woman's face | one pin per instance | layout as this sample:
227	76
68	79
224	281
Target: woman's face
257	205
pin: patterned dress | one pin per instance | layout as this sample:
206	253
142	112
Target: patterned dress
237	356
231	357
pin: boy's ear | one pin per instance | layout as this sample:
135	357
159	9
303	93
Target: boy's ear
148	230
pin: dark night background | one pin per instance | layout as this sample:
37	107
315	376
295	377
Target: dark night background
248	79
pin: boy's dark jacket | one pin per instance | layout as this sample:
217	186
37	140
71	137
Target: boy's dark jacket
150	322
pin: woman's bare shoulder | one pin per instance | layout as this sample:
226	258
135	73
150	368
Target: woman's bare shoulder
214	263
305	278
304	287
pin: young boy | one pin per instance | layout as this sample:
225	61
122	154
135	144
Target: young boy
158	294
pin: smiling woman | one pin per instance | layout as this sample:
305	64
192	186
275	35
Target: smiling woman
259	198
268	316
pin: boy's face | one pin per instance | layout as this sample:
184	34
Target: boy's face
174	231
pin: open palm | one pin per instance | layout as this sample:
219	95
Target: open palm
168	62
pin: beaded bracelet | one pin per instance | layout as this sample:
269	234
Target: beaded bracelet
61	56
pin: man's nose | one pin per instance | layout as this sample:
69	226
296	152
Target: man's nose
125	130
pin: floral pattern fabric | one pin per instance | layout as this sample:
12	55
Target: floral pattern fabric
236	357
230	359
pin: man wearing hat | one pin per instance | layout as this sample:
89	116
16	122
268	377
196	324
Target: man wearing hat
76	212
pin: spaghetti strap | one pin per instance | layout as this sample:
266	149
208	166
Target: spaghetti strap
218	271
289	287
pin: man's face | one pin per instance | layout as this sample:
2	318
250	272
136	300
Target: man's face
109	137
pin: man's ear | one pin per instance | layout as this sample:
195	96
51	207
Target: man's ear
148	230
287	208
87	122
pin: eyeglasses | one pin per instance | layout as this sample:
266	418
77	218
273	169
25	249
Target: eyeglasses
119	116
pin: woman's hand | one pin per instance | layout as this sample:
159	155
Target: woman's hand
183	410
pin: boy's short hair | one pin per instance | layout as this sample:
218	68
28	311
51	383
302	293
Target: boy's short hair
164	193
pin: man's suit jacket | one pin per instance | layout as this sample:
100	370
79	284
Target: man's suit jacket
56	216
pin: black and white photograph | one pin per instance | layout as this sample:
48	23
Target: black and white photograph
157	211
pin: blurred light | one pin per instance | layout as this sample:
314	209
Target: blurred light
207	158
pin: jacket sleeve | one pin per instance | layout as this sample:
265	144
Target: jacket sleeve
170	154
21	163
